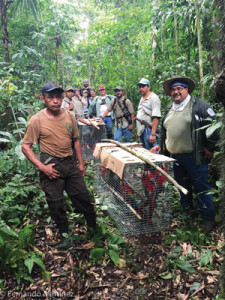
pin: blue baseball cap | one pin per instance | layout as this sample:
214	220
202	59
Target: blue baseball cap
144	81
51	86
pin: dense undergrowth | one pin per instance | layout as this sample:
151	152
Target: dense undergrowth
23	211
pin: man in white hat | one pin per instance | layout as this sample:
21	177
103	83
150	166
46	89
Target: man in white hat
185	138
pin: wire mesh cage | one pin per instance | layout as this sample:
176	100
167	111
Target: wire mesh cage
89	137
140	202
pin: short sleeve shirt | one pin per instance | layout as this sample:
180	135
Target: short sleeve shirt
147	109
66	103
103	106
54	136
79	108
120	110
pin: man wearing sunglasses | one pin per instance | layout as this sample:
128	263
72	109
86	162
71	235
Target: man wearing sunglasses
148	115
185	138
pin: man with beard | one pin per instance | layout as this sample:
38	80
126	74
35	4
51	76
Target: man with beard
85	87
124	115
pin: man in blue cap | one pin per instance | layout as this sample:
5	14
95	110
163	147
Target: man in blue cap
185	138
148	114
55	129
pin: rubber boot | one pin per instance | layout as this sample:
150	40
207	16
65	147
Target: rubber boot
65	242
91	220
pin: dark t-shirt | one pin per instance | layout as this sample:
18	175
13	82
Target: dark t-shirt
88	89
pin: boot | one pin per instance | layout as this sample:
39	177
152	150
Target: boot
91	220
65	242
209	225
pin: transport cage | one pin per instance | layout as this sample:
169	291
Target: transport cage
138	199
89	137
140	202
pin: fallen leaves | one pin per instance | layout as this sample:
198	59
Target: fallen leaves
141	273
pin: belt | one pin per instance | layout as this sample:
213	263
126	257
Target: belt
63	158
50	157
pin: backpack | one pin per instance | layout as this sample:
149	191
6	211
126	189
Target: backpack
124	109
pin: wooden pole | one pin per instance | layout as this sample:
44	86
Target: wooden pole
148	161
121	199
96	126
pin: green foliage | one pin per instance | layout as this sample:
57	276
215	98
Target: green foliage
19	197
176	260
112	247
188	233
16	254
206	258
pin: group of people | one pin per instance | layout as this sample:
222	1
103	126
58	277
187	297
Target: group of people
84	103
183	137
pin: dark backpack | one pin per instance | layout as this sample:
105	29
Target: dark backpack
124	109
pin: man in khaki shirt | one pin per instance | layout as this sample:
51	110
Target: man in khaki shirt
55	129
74	105
124	112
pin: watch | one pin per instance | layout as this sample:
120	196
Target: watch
153	134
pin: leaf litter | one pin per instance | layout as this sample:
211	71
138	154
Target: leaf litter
143	273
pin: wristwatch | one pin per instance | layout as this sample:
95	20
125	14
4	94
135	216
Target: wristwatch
153	134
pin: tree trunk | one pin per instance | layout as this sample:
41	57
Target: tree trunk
199	48
176	32
125	71
219	86
220	6
162	37
154	44
5	38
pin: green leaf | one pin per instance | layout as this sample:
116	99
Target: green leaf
2	140
185	266
115	239
75	237
8	231
218	183
166	275
29	263
96	254
114	256
28	278
39	262
211	129
114	247
195	286
205	258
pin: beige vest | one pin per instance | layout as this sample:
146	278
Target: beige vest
178	130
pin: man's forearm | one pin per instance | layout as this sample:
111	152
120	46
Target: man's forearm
26	149
155	123
105	114
84	121
77	148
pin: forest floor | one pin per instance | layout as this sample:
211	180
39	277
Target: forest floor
150	269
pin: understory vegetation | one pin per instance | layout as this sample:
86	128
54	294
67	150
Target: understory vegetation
110	43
